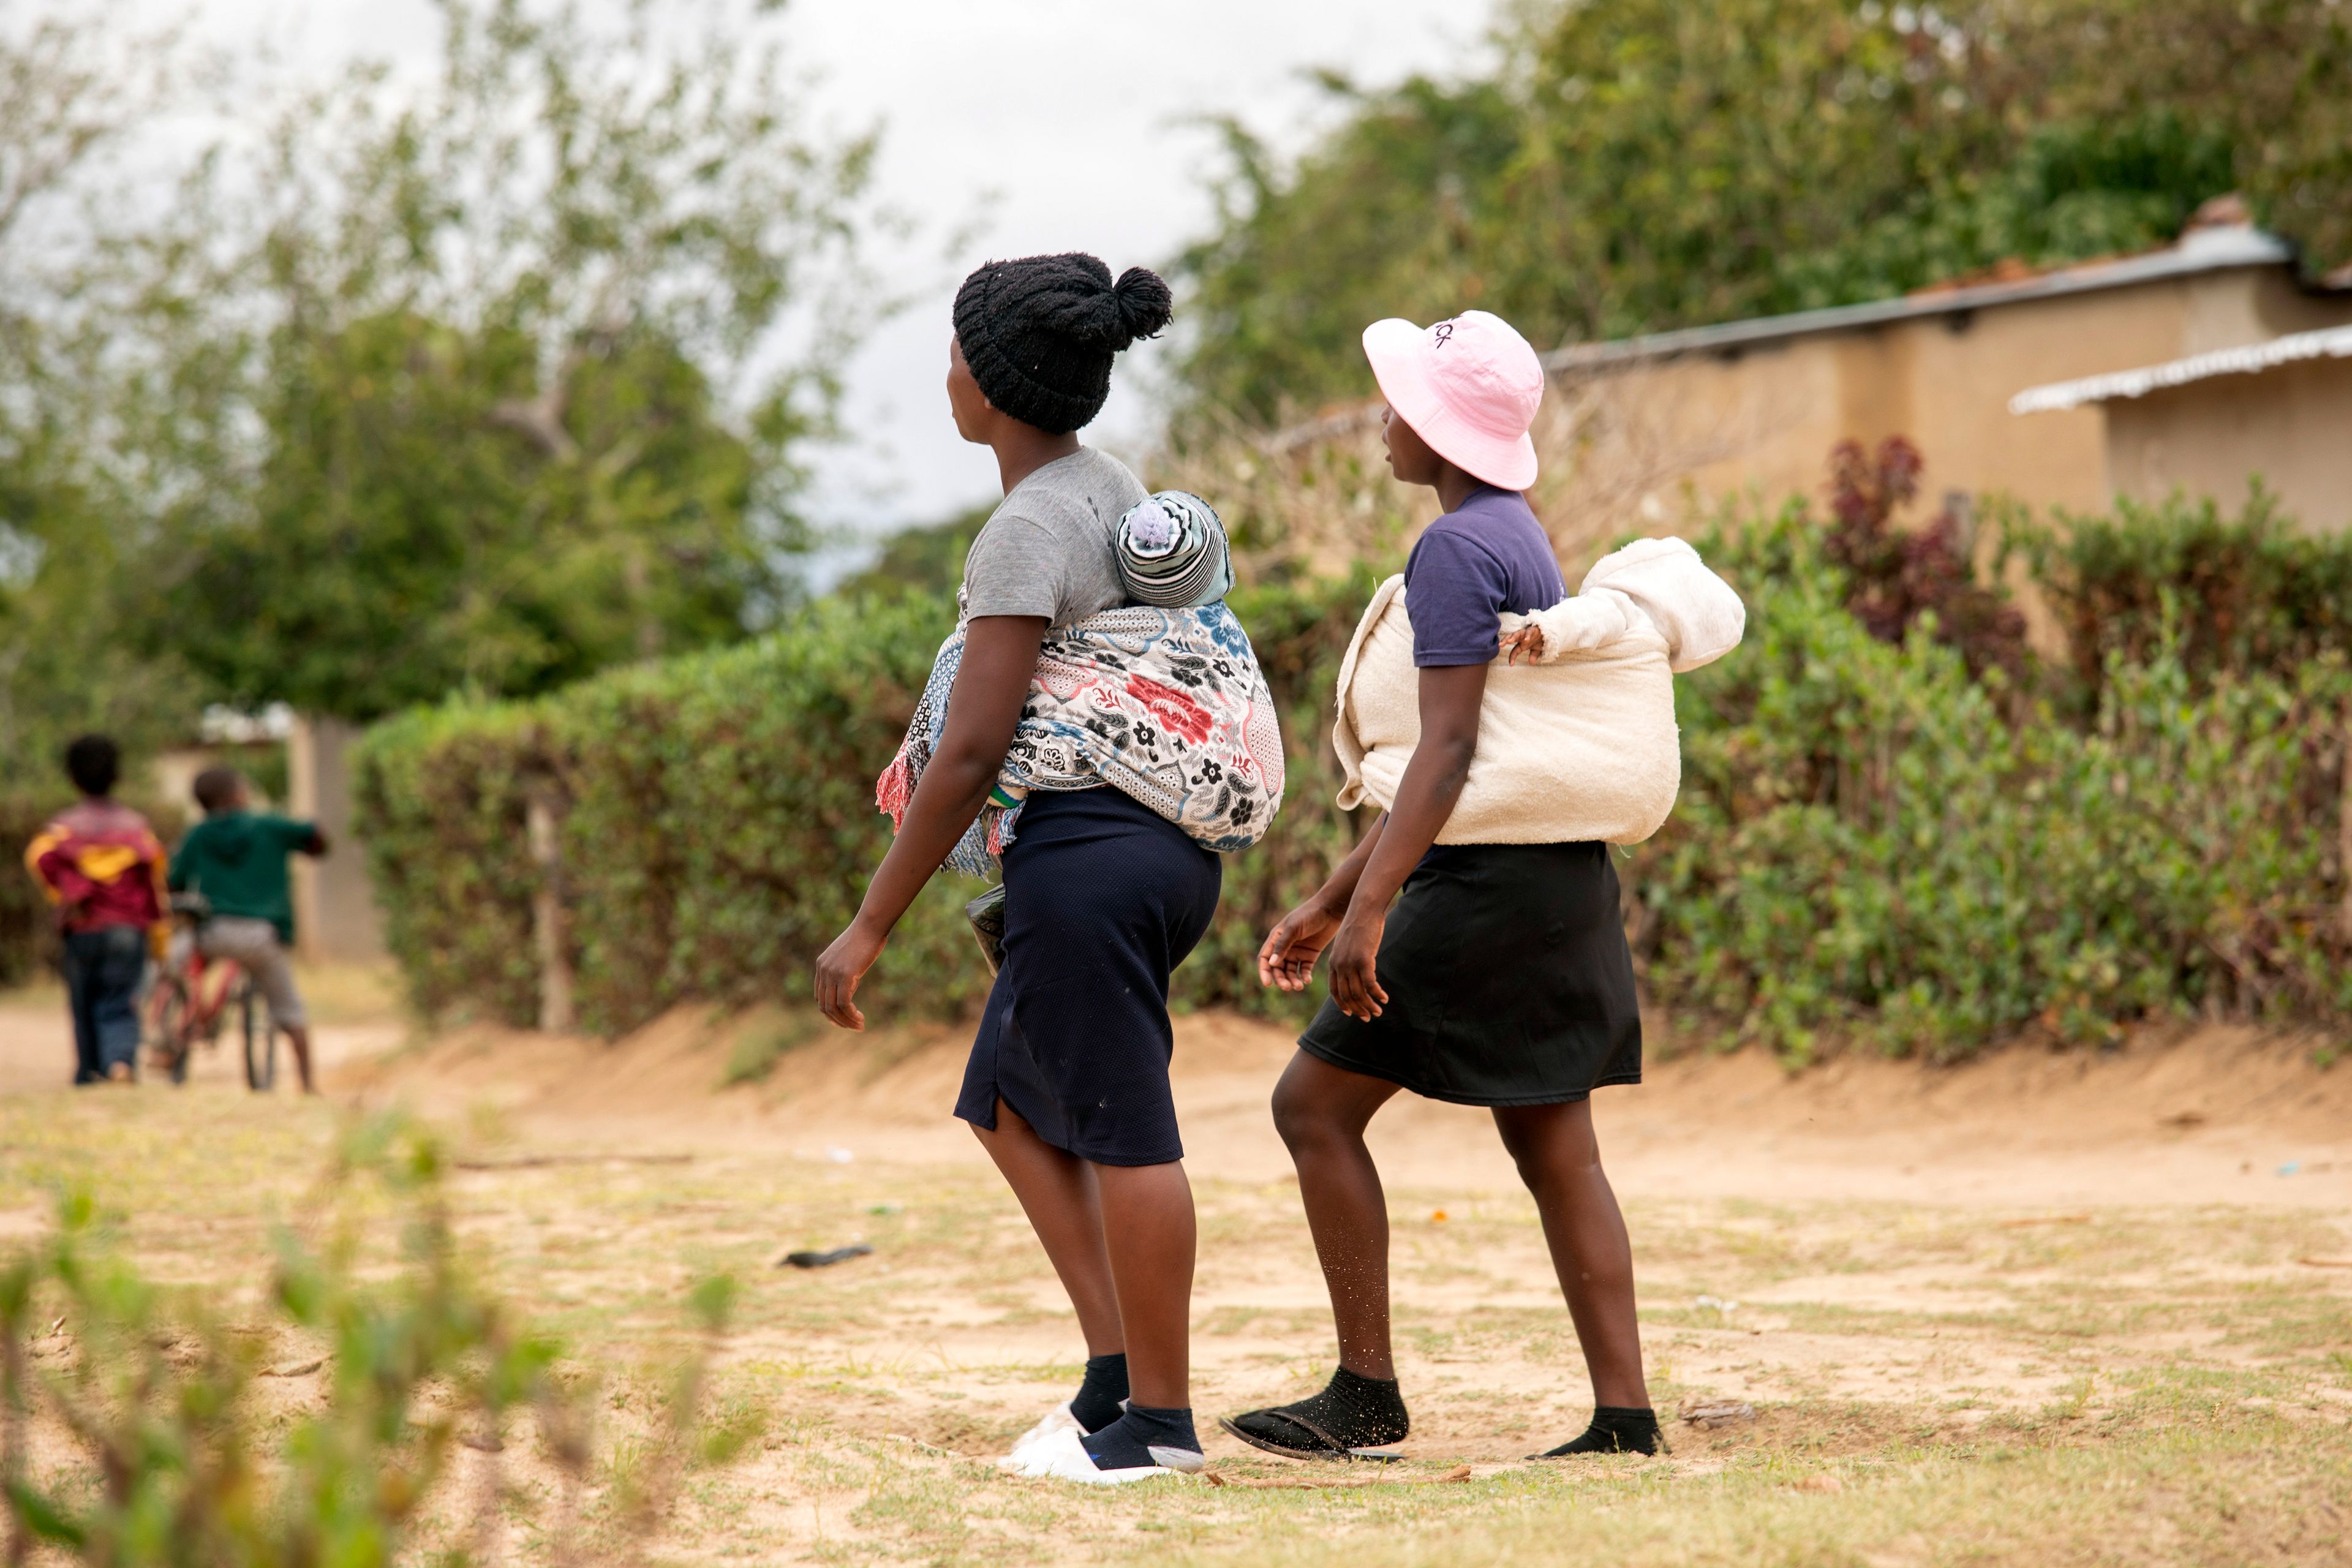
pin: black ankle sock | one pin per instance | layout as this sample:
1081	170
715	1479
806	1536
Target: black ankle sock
1127	1443
1614	1430
1354	1411
1096	1405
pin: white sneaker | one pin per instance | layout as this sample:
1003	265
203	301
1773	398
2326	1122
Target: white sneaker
1064	1457
1057	1419
1061	1418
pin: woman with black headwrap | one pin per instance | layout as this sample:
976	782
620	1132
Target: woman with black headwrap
1067	1083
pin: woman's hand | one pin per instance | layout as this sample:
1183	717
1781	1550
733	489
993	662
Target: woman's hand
1355	955
1287	961
840	966
1450	699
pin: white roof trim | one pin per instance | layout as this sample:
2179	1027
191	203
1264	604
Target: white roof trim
2333	343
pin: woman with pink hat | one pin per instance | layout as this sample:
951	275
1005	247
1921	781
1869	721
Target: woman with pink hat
1500	977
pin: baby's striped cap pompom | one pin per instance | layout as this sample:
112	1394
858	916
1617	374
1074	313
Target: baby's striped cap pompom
1172	553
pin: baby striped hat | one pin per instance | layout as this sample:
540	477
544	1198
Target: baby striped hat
1172	553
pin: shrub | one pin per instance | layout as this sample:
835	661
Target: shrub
719	822
1887	831
440	792
27	928
1865	846
1898	578
716	816
2229	594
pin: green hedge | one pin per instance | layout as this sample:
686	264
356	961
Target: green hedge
718	821
1871	843
716	811
2243	594
1865	844
440	796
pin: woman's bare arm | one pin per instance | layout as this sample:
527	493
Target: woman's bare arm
1450	699
1000	654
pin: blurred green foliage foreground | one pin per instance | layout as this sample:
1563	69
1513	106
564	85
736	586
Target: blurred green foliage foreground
1895	824
205	1454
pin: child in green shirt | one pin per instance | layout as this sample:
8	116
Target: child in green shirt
235	860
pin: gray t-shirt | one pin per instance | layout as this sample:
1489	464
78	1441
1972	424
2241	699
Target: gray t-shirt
1051	548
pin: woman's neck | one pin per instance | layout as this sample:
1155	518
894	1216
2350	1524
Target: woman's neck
1024	449
1454	488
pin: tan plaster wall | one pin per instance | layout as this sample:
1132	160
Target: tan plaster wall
1763	419
335	915
2291	425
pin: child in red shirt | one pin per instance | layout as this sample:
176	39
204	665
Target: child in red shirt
103	867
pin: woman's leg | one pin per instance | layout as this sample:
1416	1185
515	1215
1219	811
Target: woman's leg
1559	1160
1322	1112
1059	1193
1146	1212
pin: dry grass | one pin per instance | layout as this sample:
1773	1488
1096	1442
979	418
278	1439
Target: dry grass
2138	1385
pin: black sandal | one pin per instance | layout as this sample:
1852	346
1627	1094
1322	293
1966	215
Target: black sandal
1332	1449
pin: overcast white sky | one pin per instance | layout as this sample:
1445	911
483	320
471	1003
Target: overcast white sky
1061	124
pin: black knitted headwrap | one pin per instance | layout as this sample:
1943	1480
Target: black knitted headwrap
1039	332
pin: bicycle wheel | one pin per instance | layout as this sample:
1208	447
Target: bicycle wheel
261	1040
171	1043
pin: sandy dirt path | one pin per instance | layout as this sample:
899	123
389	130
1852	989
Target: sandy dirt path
36	1052
2208	1115
2188	1116
2065	1263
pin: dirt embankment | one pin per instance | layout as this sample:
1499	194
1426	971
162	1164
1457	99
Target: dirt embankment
2220	1115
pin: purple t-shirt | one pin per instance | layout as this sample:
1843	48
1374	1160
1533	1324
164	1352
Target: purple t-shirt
1470	566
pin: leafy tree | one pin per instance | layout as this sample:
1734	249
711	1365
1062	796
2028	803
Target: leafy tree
68	93
416	527
496	382
1644	164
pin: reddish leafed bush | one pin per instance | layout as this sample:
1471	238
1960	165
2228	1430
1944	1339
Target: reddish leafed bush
1901	574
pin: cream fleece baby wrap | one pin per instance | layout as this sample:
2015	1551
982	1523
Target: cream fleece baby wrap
1579	745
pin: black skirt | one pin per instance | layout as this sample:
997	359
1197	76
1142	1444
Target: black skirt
1103	898
1509	978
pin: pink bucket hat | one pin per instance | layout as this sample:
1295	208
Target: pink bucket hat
1469	387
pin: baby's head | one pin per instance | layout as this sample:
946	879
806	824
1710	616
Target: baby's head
1172	553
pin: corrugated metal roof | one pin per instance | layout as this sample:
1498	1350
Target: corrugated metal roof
2334	342
2199	250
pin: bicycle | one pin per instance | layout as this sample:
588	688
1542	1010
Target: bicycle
193	997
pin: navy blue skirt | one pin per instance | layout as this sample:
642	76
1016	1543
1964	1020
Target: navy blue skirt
1103	898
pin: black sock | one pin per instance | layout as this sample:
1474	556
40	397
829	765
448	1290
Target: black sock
1127	1443
1096	1405
1615	1429
1352	1412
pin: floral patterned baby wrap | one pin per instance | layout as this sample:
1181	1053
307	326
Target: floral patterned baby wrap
1168	705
